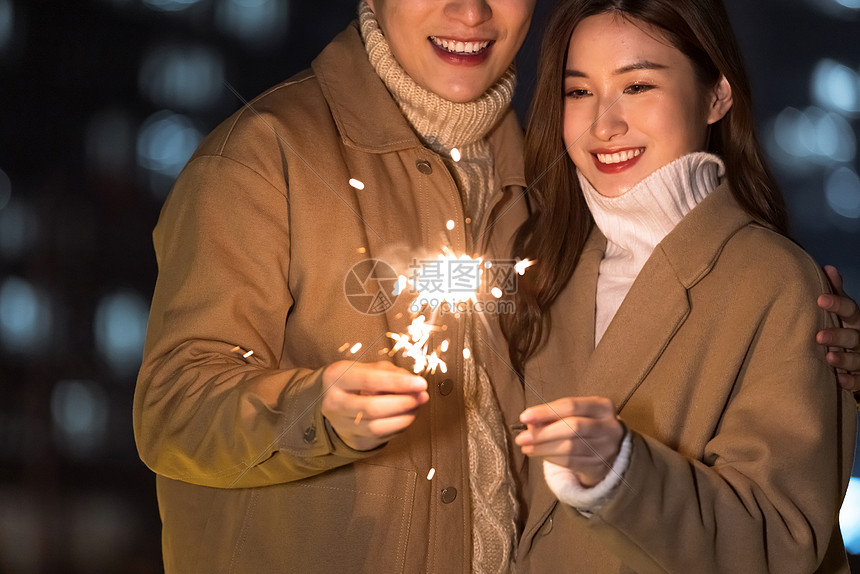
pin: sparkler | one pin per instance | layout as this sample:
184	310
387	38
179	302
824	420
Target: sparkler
415	345
523	264
429	282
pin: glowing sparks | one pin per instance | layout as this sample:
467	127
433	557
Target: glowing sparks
455	154
467	354
356	184
248	354
450	224
358	417
521	266
497	293
343	348
431	473
362	250
402	282
448	279
415	346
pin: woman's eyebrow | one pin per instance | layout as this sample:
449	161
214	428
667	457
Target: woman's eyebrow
640	65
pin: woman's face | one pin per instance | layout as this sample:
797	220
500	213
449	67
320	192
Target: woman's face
632	103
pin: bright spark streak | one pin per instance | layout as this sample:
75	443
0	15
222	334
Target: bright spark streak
450	224
248	354
431	473
444	346
497	293
355	348
521	266
356	184
466	353
414	345
402	282
455	154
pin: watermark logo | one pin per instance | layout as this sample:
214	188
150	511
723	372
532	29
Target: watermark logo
370	286
445	284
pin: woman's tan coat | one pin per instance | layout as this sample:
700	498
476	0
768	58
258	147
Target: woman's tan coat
742	441
255	246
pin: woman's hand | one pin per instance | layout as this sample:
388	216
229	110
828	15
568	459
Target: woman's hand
846	341
580	433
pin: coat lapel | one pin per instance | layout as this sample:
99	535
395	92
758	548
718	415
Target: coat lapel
651	313
570	341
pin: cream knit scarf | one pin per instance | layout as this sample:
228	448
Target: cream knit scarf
443	125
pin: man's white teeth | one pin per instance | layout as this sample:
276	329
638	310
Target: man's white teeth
620	156
460	47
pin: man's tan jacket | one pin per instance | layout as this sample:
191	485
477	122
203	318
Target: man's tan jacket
257	249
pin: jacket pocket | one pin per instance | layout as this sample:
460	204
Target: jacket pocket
352	519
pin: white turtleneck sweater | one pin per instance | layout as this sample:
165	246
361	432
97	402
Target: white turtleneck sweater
633	224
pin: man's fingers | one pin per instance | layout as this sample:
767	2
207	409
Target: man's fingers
839	303
385	406
842	305
373	378
835	279
849	382
849	362
837	337
388	427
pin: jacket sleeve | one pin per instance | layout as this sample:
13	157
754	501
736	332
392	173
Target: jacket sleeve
206	410
766	495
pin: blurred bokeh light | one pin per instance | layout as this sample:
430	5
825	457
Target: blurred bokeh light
25	317
182	77
79	410
836	87
120	329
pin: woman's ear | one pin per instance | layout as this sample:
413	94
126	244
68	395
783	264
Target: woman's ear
720	100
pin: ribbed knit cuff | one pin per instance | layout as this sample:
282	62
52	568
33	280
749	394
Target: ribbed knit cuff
567	488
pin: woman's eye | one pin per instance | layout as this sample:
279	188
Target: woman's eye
576	93
638	89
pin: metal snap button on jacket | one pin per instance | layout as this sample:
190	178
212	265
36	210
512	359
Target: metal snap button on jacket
449	494
424	166
310	434
445	387
547	527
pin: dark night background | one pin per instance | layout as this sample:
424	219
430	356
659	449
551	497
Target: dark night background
102	101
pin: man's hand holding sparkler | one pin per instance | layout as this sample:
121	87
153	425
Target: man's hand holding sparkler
368	403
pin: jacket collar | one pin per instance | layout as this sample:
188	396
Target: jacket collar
368	118
657	303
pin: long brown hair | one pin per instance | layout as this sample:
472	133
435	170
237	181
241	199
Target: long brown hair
560	222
